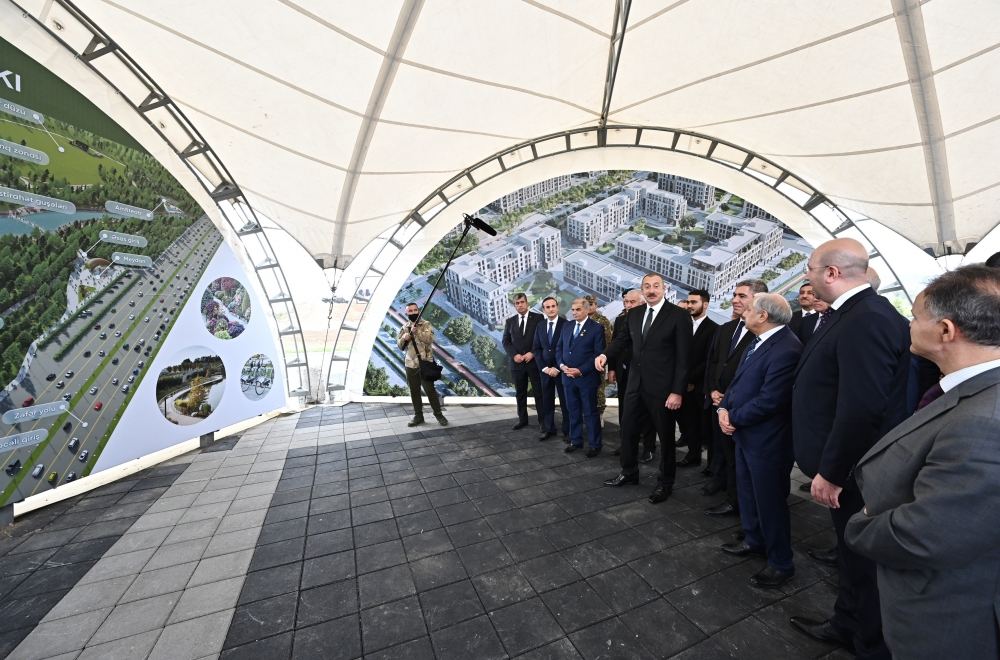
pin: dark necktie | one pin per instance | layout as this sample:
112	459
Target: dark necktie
930	395
753	347
576	330
823	316
522	326
551	325
648	322
736	337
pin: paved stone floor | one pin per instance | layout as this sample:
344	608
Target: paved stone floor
340	533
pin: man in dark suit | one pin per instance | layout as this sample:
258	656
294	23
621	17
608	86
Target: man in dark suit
806	300
757	413
618	371
518	336
580	342
821	310
850	388
659	341
731	342
547	335
930	520
694	421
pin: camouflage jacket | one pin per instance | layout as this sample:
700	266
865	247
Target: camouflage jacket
423	335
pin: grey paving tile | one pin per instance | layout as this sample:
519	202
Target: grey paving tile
156	520
89	597
110	567
126	648
61	636
225	543
205	599
221	567
232	522
193	638
178	553
136	617
192	530
161	581
141	540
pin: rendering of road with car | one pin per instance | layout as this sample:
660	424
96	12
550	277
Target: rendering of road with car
101	370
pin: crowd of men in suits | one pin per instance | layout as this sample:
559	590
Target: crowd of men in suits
911	496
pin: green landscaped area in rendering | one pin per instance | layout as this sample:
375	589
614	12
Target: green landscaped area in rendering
74	164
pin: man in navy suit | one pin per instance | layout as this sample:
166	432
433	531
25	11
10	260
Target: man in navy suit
547	335
850	389
518	336
757	412
580	342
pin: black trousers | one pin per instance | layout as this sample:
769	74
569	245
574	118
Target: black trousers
648	433
547	413
856	612
724	461
645	408
415	382
523	374
694	424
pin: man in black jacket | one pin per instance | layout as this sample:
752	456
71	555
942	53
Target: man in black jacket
850	389
807	298
659	340
694	422
618	371
518	338
731	342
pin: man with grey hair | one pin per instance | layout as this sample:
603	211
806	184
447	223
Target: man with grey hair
850	389
756	412
930	485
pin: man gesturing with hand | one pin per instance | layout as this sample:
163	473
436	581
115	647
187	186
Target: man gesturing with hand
659	337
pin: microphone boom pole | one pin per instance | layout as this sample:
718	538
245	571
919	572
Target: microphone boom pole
470	222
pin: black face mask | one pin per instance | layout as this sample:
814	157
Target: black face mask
413	317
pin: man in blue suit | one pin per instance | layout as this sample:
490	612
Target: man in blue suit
757	411
547	334
580	342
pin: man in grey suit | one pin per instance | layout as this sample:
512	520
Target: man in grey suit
931	520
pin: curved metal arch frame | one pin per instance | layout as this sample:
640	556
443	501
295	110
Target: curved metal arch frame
824	212
171	124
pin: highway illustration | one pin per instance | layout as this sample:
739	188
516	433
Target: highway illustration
95	365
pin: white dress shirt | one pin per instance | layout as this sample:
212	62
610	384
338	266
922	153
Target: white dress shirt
847	295
956	378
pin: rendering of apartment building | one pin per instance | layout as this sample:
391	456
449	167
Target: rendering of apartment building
751	210
603	277
477	283
743	245
592	225
531	193
695	192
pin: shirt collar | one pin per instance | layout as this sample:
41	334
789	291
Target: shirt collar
956	378
767	335
847	295
697	322
657	307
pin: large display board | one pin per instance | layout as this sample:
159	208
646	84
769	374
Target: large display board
591	233
104	256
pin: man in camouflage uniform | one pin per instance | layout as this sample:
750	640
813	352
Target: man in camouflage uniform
417	339
608	329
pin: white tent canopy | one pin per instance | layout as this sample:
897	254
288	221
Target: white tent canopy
339	122
337	119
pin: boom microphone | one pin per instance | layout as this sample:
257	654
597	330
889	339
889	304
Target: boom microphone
479	224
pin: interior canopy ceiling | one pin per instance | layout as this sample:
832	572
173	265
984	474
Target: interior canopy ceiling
337	118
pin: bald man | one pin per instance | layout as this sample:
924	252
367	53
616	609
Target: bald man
850	389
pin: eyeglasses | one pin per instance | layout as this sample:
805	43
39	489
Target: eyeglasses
809	268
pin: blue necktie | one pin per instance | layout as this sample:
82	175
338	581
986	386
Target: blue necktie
753	347
551	325
576	331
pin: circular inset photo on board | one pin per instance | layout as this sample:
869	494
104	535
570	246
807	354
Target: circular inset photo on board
257	377
190	389
225	308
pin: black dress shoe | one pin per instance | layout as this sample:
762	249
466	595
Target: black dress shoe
707	471
519	426
593	452
646	457
680	442
828	557
689	461
740	549
546	435
711	489
416	421
660	494
821	631
569	449
771	578
617	452
622	480
724	509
